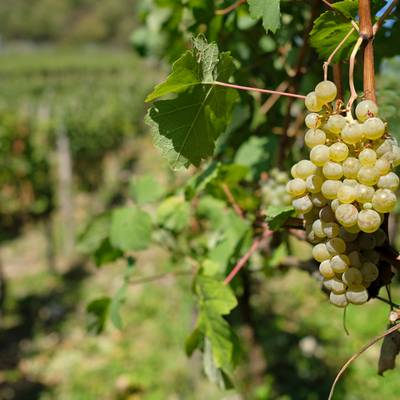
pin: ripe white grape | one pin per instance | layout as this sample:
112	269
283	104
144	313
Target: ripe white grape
340	263
368	176
314	137
326	270
336	246
346	214
396	156
326	91
305	168
352	133
338	152
338	286
369	271
319	200
330	188
312	102
366	109
326	214
317	228
302	205
367	158
338	300
383	166
389	181
313	121
314	183
330	229
364	193
332	170
384	200
335	123
293	171
351	167
385	147
350	182
368	221
296	187
347	194
373	128
357	295
319	155
352	276
320	252
335	203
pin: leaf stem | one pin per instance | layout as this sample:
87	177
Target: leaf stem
232	200
232	7
353	90
258	90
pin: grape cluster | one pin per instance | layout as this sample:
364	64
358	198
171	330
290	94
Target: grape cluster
344	190
273	189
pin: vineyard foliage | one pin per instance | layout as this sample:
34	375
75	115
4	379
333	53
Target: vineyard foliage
237	145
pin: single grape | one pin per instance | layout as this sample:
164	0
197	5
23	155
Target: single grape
380	237
383	166
373	128
366	241
366	109
346	214
326	91
352	133
389	181
293	171
332	170
312	102
350	182
384	200
320	252
319	200
330	229
296	187
357	295
313	121
330	188
302	205
314	137
340	263
351	167
338	152
336	246
326	270
305	168
352	229
367	158
369	271
368	221
396	156
317	228
367	206
352	276
364	193
347	194
319	155
326	214
385	147
368	176
335	203
314	183
372	256
312	238
338	300
335	123
347	236
338	286
355	259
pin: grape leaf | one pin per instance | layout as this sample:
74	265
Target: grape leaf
173	213
331	27
269	11
94	234
145	189
130	229
389	351
186	127
97	311
106	253
278	215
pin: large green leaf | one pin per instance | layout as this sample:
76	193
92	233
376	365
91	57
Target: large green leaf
269	11
145	189
278	215
95	233
130	229
186	127
173	213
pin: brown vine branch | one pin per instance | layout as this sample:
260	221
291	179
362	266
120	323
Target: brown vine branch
258	90
232	7
356	355
232	200
378	24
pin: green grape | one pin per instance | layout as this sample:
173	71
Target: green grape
317	228
346	214
338	300
352	229
338	152
326	214
368	221
352	276
332	170
373	128
364	193
305	168
380	237
340	263
369	271
366	241
352	133
293	171
302	205
367	158
335	203
372	256
367	206
320	252
348	236
385	147
314	183
326	270
296	187
396	156
347	194
319	155
330	188
338	286
312	102
319	200
313	121
330	229
368	176
366	109
314	137
355	259
389	181
312	238
336	246
383	166
351	167
350	182
384	200
357	295
326	91
335	123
